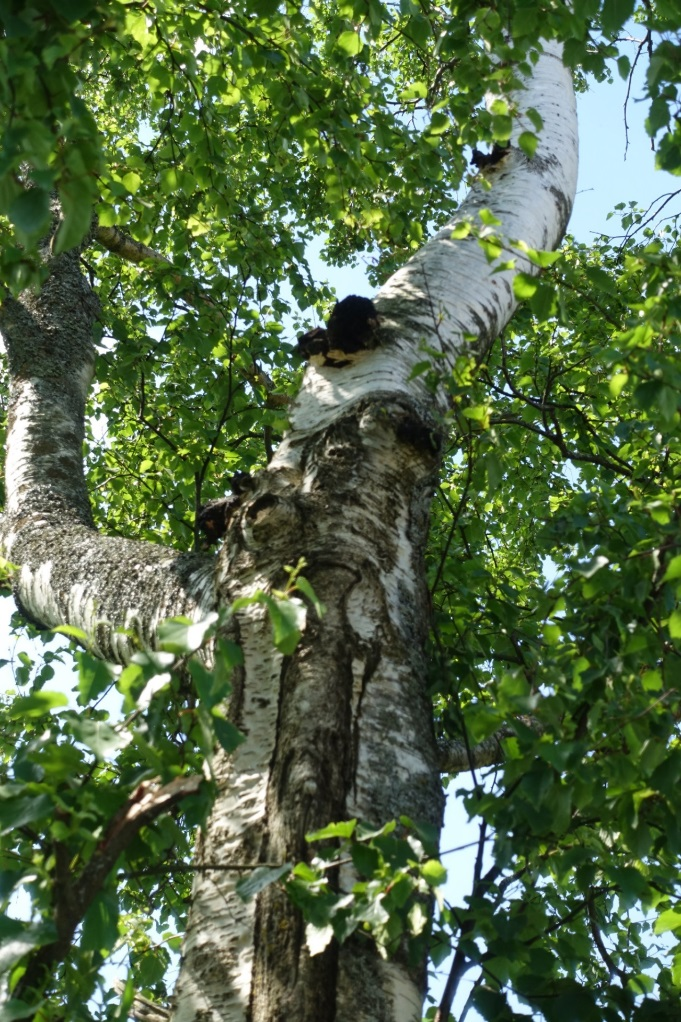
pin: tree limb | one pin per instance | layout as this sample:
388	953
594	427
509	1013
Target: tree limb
75	896
142	1009
456	756
121	244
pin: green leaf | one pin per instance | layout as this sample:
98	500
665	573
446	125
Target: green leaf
97	735
180	635
615	13
94	676
18	812
318	938
18	938
676	970
543	301
418	918
38	704
434	873
72	10
73	632
623	66
136	25
478	413
366	859
617	383
226	733
673	570
100	925
288	621
343	830
652	681
259	879
528	142
306	589
415	91
77	218
524	286
439	123
350	43
30	211
669	920
552	634
488	218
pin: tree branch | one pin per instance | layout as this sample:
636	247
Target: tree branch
113	239
456	756
142	1008
147	802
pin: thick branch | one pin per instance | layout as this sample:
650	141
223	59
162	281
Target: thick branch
121	244
458	756
142	1009
68	574
449	298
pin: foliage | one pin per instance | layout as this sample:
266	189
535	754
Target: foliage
395	874
227	138
574	478
75	768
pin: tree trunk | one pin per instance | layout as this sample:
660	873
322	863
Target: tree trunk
342	728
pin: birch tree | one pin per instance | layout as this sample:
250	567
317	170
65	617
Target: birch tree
300	650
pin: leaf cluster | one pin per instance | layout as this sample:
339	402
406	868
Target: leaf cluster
101	791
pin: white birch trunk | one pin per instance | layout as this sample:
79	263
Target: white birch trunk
342	728
350	486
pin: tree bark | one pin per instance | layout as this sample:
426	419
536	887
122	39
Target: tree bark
68	573
343	727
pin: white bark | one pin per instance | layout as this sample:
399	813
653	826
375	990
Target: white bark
68	573
448	291
360	455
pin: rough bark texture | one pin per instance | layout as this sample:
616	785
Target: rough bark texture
349	489
343	728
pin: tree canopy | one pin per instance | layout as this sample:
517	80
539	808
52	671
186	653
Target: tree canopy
201	148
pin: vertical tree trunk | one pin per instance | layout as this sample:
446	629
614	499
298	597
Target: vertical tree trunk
343	728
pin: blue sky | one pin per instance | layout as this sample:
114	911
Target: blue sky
609	172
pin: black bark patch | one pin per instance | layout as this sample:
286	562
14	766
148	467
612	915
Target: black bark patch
351	328
482	160
416	434
214	516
